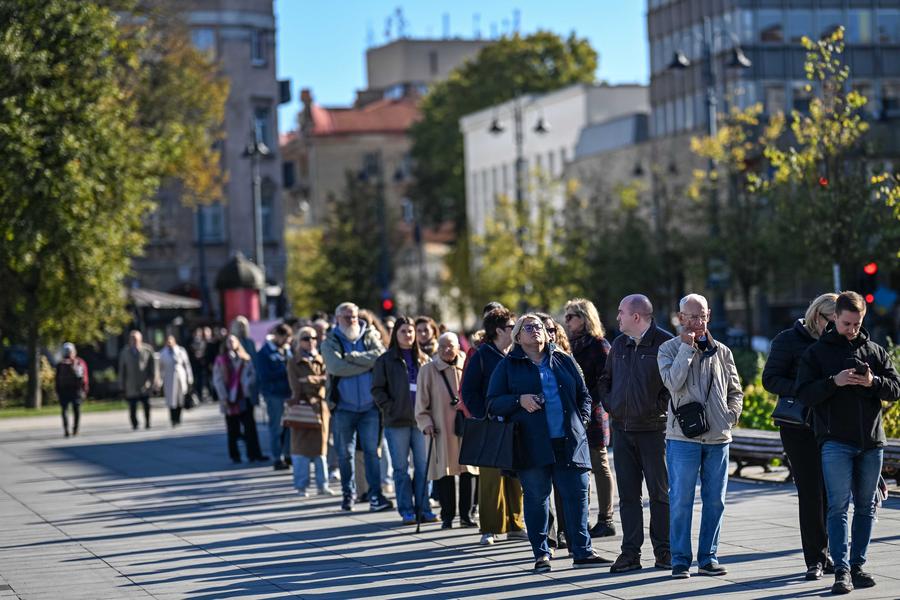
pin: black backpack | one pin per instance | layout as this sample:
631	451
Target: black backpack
68	381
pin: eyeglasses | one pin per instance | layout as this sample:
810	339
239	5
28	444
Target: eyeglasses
532	327
308	338
695	318
509	326
571	316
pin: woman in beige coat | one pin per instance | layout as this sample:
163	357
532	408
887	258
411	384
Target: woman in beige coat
306	375
437	401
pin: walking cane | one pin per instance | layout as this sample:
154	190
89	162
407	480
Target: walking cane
427	466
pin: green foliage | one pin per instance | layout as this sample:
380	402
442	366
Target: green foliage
891	415
14	387
749	364
536	63
305	265
758	407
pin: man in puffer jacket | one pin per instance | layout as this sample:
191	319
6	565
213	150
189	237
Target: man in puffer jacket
697	369
844	377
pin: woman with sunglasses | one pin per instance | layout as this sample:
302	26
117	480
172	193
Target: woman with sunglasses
799	441
306	375
541	388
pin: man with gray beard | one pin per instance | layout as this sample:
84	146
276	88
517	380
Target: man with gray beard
350	351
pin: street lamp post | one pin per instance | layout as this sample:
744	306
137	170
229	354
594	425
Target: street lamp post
255	150
717	279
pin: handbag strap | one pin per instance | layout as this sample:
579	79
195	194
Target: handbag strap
453	396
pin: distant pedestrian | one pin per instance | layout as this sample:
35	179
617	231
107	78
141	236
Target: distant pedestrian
306	374
799	440
240	328
71	386
845	376
590	349
633	393
177	377
233	375
699	373
272	379
137	376
197	355
427	333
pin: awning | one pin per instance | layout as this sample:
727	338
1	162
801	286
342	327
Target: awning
142	297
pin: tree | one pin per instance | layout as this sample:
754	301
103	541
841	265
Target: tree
88	131
306	263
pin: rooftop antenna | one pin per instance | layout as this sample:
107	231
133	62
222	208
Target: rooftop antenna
517	19
476	26
401	22
446	18
387	29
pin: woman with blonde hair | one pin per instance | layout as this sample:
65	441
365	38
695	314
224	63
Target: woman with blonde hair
590	348
233	377
799	441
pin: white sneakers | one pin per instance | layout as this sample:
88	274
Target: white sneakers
487	539
327	491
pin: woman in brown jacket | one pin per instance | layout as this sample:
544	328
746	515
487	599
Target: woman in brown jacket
437	403
306	375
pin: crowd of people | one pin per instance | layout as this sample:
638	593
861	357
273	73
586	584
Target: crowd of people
345	398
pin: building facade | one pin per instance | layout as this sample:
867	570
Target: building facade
240	36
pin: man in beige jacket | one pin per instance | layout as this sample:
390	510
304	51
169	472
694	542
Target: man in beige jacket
437	403
700	374
137	376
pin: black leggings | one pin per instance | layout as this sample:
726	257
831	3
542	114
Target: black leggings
76	411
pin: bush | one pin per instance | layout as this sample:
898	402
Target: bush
758	407
891	416
749	364
14	387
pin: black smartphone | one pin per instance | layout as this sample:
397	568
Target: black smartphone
859	367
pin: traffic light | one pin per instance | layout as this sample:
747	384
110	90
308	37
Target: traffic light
387	305
869	282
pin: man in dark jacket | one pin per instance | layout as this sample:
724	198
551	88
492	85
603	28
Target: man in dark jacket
633	393
272	379
844	377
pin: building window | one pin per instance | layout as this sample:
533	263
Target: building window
775	99
204	40
859	26
745	25
770	28
829	21
267	209
258	48
800	97
890	98
799	24
288	174
888	24
433	62
209	224
262	126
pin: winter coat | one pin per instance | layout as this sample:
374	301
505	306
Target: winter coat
177	375
233	384
349	367
434	408
779	376
708	377
71	380
591	355
630	387
391	389
271	371
850	414
477	377
137	371
517	375
306	375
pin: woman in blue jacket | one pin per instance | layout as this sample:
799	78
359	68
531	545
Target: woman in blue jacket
541	388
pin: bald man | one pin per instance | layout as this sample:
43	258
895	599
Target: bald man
633	394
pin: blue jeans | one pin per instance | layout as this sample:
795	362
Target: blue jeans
687	462
848	469
572	484
346	426
275	410
300	465
400	441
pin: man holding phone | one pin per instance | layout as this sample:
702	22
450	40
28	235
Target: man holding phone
844	377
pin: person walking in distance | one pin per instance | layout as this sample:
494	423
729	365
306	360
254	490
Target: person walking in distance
633	394
137	376
177	377
71	386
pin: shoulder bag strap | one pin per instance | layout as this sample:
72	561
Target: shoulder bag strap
449	389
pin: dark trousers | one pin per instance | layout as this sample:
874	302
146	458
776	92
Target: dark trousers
806	469
446	492
76	413
175	416
640	456
243	421
132	410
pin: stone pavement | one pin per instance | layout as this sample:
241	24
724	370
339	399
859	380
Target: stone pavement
164	514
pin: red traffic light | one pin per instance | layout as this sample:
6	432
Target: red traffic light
387	304
871	268
870	298
823	181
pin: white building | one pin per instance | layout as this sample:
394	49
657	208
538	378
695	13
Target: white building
490	158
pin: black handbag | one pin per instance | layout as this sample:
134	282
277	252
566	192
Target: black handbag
691	418
489	443
789	411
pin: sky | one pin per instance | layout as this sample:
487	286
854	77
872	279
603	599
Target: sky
322	44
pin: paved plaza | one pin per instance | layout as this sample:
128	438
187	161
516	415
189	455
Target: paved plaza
163	513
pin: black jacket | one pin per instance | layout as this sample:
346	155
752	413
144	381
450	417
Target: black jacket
390	389
779	376
850	414
630	387
479	368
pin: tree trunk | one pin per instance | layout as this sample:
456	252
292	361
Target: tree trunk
836	275
747	293
33	394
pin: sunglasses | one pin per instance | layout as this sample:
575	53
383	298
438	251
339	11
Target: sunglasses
532	327
307	338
